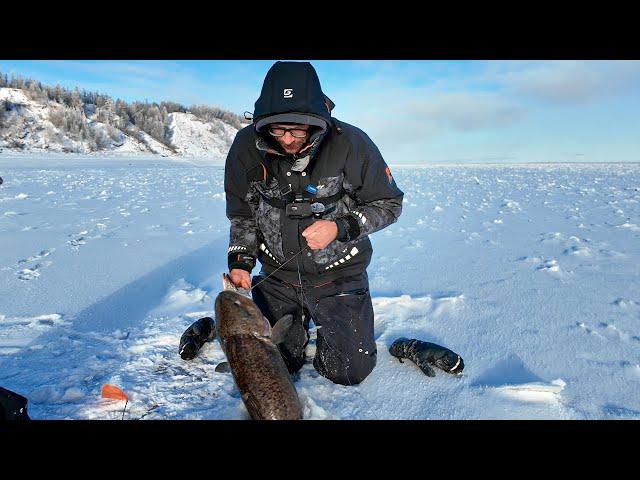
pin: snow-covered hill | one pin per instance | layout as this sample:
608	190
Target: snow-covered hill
193	137
30	125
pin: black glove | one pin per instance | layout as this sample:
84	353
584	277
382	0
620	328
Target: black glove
425	355
194	337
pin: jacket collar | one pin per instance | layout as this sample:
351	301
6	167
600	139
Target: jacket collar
300	160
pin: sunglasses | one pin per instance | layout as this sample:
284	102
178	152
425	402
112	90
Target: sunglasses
295	132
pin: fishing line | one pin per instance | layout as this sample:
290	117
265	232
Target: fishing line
268	276
304	298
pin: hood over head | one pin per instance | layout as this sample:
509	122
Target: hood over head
291	93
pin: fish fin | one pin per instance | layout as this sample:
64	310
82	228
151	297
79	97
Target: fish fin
223	367
280	329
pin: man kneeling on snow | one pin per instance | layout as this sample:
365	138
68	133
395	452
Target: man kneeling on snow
303	193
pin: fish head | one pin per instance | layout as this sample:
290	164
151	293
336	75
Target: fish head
227	284
237	314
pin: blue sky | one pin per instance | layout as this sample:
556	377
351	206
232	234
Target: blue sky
417	112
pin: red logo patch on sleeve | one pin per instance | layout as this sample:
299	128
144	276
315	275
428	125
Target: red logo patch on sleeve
388	172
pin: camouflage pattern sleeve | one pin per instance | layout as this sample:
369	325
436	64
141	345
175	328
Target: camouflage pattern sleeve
378	198
372	217
243	249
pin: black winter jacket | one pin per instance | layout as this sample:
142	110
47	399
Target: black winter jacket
342	163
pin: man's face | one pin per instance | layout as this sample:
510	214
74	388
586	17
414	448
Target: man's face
291	136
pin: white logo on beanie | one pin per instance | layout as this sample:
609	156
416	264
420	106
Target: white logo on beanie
288	93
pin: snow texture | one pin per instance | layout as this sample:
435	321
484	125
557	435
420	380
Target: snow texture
529	272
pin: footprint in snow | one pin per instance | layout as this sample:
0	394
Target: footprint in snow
578	251
608	331
627	305
552	237
32	273
529	259
76	242
78	239
551	267
42	254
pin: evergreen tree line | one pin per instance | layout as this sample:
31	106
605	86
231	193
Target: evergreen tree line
132	118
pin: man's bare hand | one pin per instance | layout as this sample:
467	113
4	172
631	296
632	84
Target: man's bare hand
240	278
320	234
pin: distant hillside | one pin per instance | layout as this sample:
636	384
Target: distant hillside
38	117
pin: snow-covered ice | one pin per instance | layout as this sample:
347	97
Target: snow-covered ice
529	272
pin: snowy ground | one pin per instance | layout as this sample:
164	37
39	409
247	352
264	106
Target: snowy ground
530	272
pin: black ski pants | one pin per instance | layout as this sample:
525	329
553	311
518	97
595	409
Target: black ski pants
342	311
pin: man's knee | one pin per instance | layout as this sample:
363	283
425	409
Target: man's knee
349	371
290	335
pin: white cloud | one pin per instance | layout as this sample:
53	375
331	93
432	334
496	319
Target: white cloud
573	82
395	114
133	70
465	111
